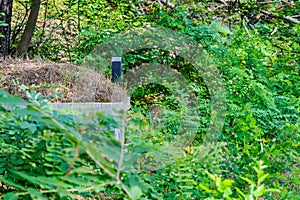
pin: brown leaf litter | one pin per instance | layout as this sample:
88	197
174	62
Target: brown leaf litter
74	83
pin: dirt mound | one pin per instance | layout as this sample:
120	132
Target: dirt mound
73	83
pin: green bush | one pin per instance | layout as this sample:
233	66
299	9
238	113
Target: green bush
259	64
45	154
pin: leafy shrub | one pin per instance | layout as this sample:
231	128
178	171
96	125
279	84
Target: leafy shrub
259	63
46	154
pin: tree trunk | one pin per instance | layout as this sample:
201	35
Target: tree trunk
22	47
6	9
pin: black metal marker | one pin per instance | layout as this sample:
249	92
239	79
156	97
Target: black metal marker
116	69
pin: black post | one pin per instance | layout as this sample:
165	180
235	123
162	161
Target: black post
116	69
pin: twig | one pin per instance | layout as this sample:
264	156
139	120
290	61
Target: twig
76	154
45	17
99	164
139	11
166	2
291	19
119	168
78	22
160	5
223	2
288	18
265	3
295	16
217	8
117	177
249	35
120	161
275	29
141	8
248	22
18	28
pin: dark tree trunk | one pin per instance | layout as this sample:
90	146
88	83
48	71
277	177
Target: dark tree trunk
22	47
6	9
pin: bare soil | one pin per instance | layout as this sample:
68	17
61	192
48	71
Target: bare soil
72	82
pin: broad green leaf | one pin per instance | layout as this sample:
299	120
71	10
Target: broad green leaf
11	196
225	185
211	176
12	183
135	192
260	190
2	170
262	178
204	187
99	157
47	182
241	193
218	181
272	190
248	181
78	181
4	93
10	102
34	194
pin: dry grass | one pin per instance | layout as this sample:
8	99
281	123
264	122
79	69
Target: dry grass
74	83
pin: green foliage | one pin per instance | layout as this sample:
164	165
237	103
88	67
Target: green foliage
224	187
46	154
70	30
257	155
2	23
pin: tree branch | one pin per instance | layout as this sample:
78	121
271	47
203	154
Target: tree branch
29	29
288	18
167	3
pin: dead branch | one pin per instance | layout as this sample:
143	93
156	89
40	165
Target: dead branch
167	3
288	18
